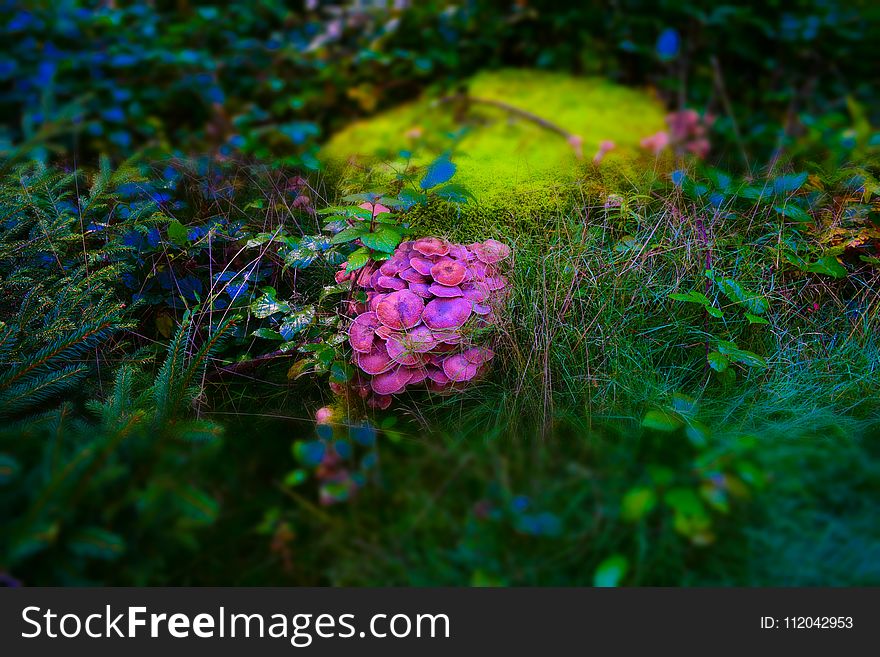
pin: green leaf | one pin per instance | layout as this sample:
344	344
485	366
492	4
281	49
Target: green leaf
662	420
296	321
637	503
691	297
357	259
718	361
267	334
611	571
754	319
793	212
341	372
828	265
266	304
455	193
734	353
753	302
350	234
385	239
96	543
177	233
699	298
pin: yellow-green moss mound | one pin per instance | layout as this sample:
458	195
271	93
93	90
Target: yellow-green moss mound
517	168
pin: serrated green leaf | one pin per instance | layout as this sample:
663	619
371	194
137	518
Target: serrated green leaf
385	240
350	234
357	259
177	233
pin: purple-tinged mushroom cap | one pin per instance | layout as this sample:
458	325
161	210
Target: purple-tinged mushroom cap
419	339
481	308
490	251
496	282
460	252
401	309
448	271
445	313
422	289
431	246
418	374
402	352
377	361
391	382
421	265
478	292
478	355
437	375
410	275
458	368
389	283
383	332
445	290
374	299
362	331
392	266
382	402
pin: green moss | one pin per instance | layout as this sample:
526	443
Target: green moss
517	170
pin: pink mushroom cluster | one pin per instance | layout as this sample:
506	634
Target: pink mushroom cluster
686	130
415	325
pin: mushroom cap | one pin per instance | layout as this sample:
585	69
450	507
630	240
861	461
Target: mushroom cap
389	282
421	265
422	289
401	309
419	339
362	331
478	292
393	265
460	252
431	246
481	308
496	282
418	374
445	290
410	275
478	355
447	271
383	332
458	368
478	270
376	361
391	382
436	374
445	313
374	299
363	276
402	352
490	251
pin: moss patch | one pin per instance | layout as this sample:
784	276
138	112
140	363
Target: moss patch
517	169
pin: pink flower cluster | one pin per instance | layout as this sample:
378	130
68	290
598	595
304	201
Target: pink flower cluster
420	307
686	129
